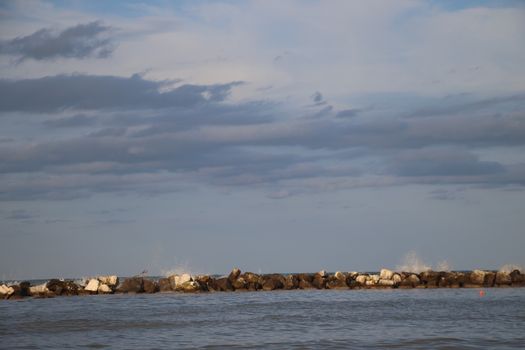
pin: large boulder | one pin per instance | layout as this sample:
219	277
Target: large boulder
385	283
131	285
234	274
176	281
291	282
518	278
272	282
320	279
190	287
475	279
203	281
165	285
149	286
60	287
386	274
429	279
252	280
409	280
222	284
337	281
104	289
92	286
110	280
40	290
239	284
6	291
503	279
361	279
451	280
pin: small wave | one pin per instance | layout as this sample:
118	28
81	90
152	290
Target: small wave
412	263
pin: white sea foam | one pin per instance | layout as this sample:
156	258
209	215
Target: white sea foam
443	266
511	267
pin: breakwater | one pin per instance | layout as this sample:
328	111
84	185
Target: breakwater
249	281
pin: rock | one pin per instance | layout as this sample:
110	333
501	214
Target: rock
222	284
475	279
164	285
429	278
385	283
386	274
39	290
375	278
92	286
6	291
253	281
503	279
234	274
59	287
131	285
239	284
203	281
320	280
322	274
149	286
190	287
490	279
396	278
361	279
370	283
272	282
177	281
104	289
291	282
518	279
409	280
110	280
337	281
451	280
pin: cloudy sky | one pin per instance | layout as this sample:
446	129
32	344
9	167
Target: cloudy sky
269	135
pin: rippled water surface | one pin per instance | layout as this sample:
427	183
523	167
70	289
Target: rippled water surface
403	319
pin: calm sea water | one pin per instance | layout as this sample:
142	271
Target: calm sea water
358	319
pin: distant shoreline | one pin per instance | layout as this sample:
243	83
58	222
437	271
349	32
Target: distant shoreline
249	281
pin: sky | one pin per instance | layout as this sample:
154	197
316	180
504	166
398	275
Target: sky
273	136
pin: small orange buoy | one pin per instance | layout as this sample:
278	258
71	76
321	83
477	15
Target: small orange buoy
481	293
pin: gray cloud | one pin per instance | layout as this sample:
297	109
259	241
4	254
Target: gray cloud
88	92
72	121
80	41
162	135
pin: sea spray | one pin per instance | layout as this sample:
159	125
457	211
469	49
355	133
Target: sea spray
412	263
508	268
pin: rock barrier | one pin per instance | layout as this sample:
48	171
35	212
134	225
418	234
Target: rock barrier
249	281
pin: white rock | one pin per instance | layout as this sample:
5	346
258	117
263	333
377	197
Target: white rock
361	279
386	274
111	280
92	285
41	288
104	288
370	283
386	283
177	281
397	278
322	273
375	278
6	290
339	275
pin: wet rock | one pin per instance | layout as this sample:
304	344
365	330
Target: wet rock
396	278
109	280
337	281
59	287
190	287
291	282
386	274
429	279
503	279
176	281
475	278
131	285
223	284
272	282
149	286
104	289
164	285
409	280
518	279
234	274
239	284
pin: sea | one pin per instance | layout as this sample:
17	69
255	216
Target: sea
298	319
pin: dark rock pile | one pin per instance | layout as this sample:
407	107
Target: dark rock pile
249	281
